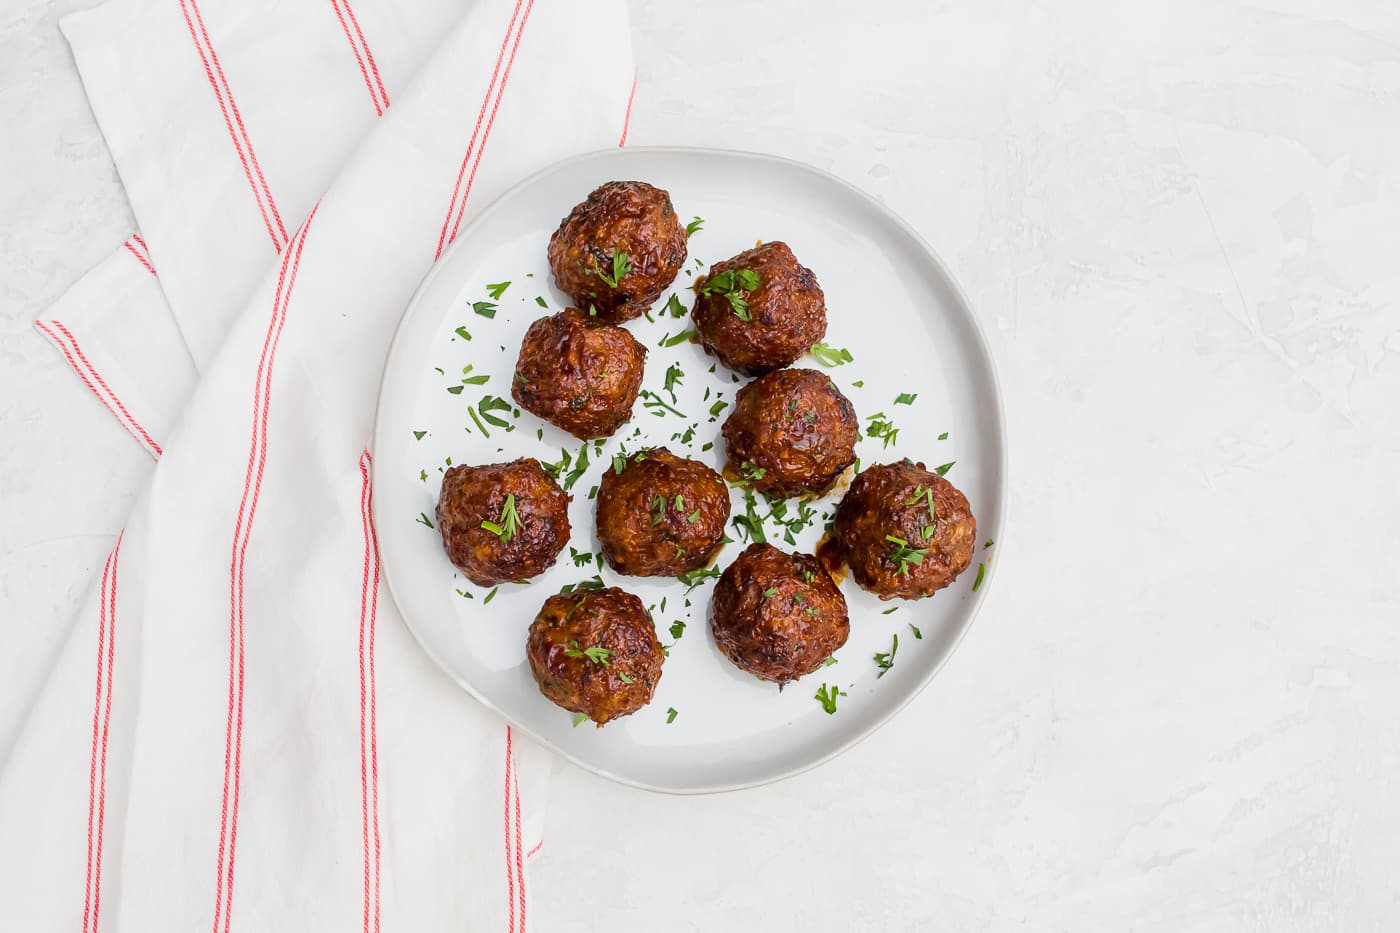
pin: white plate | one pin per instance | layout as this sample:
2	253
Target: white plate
889	301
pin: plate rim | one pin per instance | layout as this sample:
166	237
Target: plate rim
379	440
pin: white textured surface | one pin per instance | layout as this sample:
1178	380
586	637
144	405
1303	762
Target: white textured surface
1178	222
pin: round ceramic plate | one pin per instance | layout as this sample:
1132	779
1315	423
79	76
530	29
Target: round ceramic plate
917	360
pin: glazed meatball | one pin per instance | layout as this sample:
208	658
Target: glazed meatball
616	252
760	310
904	531
579	378
791	432
502	522
776	615
661	515
595	652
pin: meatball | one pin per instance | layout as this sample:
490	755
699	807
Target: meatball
776	615
502	522
595	652
616	252
791	432
903	530
579	378
760	310
661	515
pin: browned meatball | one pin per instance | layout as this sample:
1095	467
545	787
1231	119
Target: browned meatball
626	227
579	378
503	521
904	531
595	652
791	432
756	325
661	515
777	615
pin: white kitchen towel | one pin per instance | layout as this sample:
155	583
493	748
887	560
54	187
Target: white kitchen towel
239	731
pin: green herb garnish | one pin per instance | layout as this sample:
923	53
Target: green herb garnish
484	308
943	470
595	653
682	337
508	523
695	226
826	696
620	267
671	715
733	284
981	574
423	519
497	290
462	332
831	357
905	398
904	555
885	660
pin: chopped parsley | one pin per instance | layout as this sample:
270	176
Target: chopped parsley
885	660
490	403
717	407
418	435
595	653
497	290
829	661
695	226
468	380
904	555
658	505
580	717
943	436
539	300
674	376
981	574
671	715
826	696
693	578
508	523
490	596
580	467
905	398
915	629
423	519
593	583
624	678
462	332
733	284
750	525
656	405
455	390
682	337
751	472
484	308
943	470
620	267
770	592
989	543
882	429
890	610
830	356
677	629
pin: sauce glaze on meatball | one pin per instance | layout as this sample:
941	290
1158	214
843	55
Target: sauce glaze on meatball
502	522
661	515
629	217
770	325
778	615
903	502
580	378
791	432
595	652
